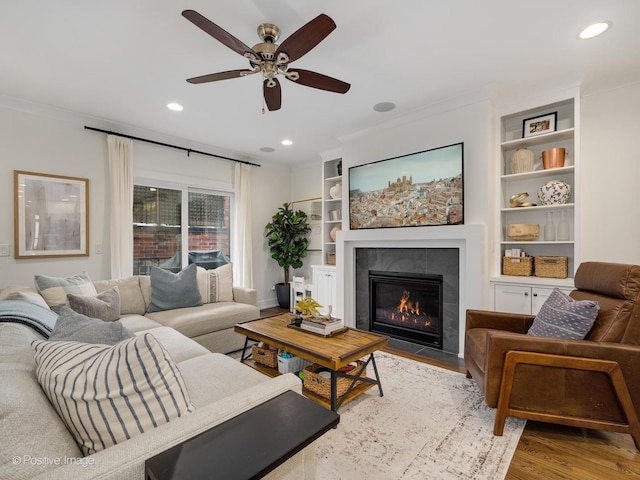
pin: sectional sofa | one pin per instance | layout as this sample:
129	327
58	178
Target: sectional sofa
36	441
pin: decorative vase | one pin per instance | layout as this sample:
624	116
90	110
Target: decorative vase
521	161
336	191
549	228
563	226
555	192
339	168
334	231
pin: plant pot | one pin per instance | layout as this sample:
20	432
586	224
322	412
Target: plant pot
282	293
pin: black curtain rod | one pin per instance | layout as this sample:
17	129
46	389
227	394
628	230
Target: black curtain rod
188	150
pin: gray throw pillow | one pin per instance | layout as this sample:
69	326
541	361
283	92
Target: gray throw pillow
563	317
105	305
174	290
73	326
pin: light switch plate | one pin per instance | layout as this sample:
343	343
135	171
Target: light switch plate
4	250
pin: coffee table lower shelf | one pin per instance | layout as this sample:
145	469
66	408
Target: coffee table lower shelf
326	402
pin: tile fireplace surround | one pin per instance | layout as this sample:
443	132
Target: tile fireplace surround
468	239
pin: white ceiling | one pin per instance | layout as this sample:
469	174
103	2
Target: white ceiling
124	60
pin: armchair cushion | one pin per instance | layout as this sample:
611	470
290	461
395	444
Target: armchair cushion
563	317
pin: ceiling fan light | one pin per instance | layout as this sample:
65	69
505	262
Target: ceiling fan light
593	30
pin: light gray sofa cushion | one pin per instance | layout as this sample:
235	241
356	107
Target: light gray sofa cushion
174	290
132	300
55	289
105	305
73	326
207	318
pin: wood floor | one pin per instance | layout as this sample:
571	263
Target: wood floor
555	452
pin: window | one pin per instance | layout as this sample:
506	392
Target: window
158	235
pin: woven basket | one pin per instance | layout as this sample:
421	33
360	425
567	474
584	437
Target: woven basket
520	266
264	356
322	386
551	267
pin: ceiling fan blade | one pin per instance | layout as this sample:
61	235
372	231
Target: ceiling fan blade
214	77
272	95
307	37
218	33
322	82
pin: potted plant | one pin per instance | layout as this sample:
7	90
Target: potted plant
287	238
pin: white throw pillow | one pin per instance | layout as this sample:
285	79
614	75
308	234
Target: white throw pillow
108	394
221	284
55	289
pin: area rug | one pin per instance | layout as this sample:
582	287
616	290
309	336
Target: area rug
431	423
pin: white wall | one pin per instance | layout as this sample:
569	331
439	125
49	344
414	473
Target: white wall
43	140
469	121
610	158
46	143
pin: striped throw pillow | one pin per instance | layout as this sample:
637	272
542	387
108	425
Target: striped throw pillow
106	395
221	284
54	290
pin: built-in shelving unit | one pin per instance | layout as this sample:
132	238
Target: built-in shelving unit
510	183
331	208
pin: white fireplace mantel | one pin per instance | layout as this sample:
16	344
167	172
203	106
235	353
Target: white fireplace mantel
469	239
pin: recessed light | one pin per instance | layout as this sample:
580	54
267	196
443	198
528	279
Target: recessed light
384	106
176	107
267	149
286	142
593	30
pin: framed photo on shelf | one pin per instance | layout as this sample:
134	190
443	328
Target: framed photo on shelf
51	215
539	125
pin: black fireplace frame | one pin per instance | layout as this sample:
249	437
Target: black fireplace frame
433	340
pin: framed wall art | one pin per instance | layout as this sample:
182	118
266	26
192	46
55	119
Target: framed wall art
51	215
539	125
419	189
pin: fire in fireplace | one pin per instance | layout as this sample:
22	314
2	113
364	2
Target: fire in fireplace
406	306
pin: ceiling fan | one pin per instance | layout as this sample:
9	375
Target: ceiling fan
272	59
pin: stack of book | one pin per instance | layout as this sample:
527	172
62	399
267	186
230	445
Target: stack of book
321	325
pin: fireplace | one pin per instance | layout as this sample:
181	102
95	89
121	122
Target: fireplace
408	306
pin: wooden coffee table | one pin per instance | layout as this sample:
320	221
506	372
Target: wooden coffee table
333	352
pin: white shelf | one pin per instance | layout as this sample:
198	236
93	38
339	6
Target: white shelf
559	136
333	179
567	137
329	180
537	242
539	208
537	174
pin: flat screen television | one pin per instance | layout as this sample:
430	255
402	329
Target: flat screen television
419	189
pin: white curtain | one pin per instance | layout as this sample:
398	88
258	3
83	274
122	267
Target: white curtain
241	235
121	194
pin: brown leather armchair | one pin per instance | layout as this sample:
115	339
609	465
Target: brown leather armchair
590	383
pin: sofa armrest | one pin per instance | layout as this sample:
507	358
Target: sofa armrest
126	460
245	295
510	322
499	343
